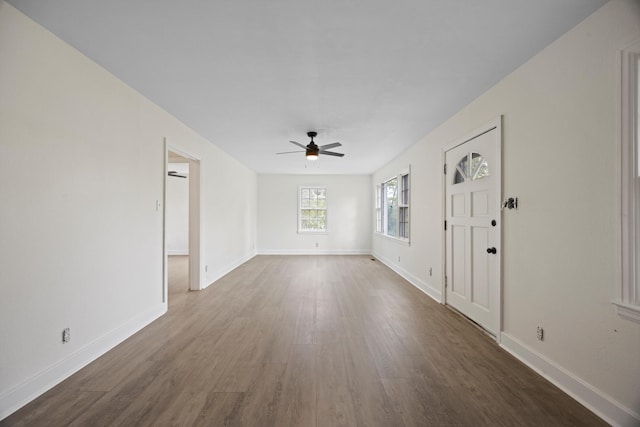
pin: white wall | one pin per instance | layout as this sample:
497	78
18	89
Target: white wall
82	165
561	248
177	211
348	215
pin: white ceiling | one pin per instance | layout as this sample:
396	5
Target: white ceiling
250	75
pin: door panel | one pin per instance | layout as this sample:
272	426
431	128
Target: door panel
459	260
472	198
479	268
479	204
458	205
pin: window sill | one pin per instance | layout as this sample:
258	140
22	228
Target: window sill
405	242
312	232
628	311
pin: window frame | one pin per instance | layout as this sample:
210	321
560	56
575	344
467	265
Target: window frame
382	227
403	206
325	209
628	293
379	211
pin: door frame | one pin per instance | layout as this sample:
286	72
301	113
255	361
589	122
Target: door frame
488	127
195	249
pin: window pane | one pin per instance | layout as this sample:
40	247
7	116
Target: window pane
405	189
483	170
404	222
391	206
479	166
463	167
461	171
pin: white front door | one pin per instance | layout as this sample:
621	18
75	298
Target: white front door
472	224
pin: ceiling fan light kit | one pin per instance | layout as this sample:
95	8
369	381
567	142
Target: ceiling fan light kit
312	151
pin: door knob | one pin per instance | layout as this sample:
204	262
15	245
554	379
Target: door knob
492	251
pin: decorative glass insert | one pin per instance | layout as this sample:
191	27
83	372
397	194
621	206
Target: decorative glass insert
477	168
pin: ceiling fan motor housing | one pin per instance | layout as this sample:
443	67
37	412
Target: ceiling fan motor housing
312	148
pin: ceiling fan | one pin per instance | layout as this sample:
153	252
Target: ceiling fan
312	150
175	174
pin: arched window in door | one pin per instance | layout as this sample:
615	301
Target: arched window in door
477	168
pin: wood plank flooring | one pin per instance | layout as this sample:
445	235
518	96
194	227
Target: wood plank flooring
305	341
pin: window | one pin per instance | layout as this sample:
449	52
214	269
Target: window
392	207
312	210
477	168
378	209
628	298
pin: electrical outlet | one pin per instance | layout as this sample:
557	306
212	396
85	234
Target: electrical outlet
398	259
540	333
430	271
206	268
316	244
66	335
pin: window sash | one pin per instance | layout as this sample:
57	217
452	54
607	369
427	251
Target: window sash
312	209
628	298
379	216
393	207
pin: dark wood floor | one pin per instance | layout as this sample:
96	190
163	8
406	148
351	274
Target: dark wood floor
306	341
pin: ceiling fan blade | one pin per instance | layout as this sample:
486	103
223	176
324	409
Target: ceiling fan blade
331	153
299	145
289	152
327	146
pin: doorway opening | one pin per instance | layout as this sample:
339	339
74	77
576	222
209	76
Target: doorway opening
181	225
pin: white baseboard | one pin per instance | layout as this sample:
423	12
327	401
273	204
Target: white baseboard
598	402
414	280
215	275
314	251
24	393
